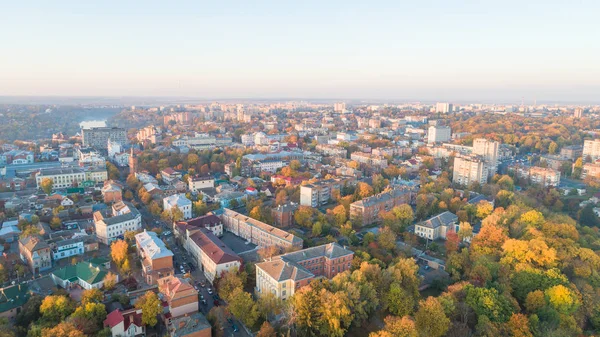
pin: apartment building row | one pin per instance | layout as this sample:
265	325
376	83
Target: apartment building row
258	232
369	159
99	137
368	210
283	275
544	176
320	192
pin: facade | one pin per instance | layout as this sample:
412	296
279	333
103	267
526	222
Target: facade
590	170
443	108
180	201
320	192
339	107
199	182
283	215
96	174
112	226
195	325
488	150
157	260
437	226
284	274
98	137
332	150
369	159
438	134
578	112
85	274
180	295
112	192
35	252
61	177
209	221
470	169
258	232
571	152
540	175
168	175
127	323
66	248
149	133
226	198
211	253
591	148
368	210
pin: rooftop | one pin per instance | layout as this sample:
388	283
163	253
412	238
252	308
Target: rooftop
213	247
281	234
85	271
186	325
442	219
152	246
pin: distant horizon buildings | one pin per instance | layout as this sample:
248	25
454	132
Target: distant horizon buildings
443	108
438	134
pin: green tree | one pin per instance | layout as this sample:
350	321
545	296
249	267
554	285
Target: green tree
399	301
150	306
431	319
386	238
243	307
56	308
404	215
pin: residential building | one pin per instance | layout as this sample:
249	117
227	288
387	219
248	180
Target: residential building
438	226
211	253
438	134
283	215
195	325
320	192
283	275
157	259
61	177
180	201
488	150
168	175
571	152
369	159
199	182
470	169
368	210
112	192
12	300
127	323
149	133
591	170
209	221
65	248
112	226
332	150
578	112
180	295
258	232
96	174
443	108
539	175
339	107
85	274
178	117
591	149
98	137
226	199
555	162
35	252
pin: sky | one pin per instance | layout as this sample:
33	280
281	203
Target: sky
409	50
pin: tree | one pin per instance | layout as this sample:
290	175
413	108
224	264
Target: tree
518	324
266	330
303	216
465	231
150	306
562	299
484	209
399	301
92	313
364	190
269	305
118	252
268	252
243	307
452	242
386	238
535	301
56	308
93	295
281	197
110	280
488	302
228	283
295	165
404	215
339	215
431	319
400	327
47	184
63	329
3	273
317	229
55	223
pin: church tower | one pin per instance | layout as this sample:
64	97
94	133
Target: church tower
133	163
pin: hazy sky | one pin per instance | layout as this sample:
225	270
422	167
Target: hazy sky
446	50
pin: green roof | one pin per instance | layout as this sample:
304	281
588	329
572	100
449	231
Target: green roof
13	297
84	271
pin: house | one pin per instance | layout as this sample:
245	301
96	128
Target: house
126	323
112	226
180	295
283	215
180	201
12	299
169	174
230	199
66	202
85	274
368	210
112	192
251	191
284	274
35	252
157	259
195	325
200	182
9	232
208	221
211	253
437	227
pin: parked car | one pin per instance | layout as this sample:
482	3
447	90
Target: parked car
234	327
210	291
203	301
202	284
216	303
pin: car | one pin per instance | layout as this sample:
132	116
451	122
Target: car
216	303
195	287
234	327
210	291
201	296
229	320
216	297
202	284
203	301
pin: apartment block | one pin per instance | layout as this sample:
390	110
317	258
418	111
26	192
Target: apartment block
319	193
36	253
590	170
591	148
111	224
369	159
368	210
156	258
438	134
470	169
488	150
98	137
211	253
544	176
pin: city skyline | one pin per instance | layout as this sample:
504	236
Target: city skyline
436	51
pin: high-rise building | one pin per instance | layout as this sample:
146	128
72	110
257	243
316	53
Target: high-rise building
443	108
591	148
439	134
578	113
488	149
339	107
98	137
470	169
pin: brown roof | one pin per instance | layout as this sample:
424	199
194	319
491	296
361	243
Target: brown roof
213	247
33	243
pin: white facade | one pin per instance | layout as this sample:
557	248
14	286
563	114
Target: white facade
67	249
488	149
443	108
469	170
438	134
61	178
180	201
197	183
124	220
591	148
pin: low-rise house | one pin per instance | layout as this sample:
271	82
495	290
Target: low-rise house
112	226
211	253
168	175
284	274
195	325
180	201
85	274
200	182
127	323
157	259
208	221
65	248
12	299
180	295
283	215
438	226
112	192
226	199
368	210
35	252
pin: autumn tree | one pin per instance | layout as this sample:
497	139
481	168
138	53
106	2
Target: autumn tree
484	208
399	301
339	215
56	308
63	329
400	327
303	216
386	238
94	313
452	242
562	299
266	330
268	252
110	280
431	319
228	282
243	307
518	325
150	306
93	295
281	197
364	190
46	185
119	252
465	231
